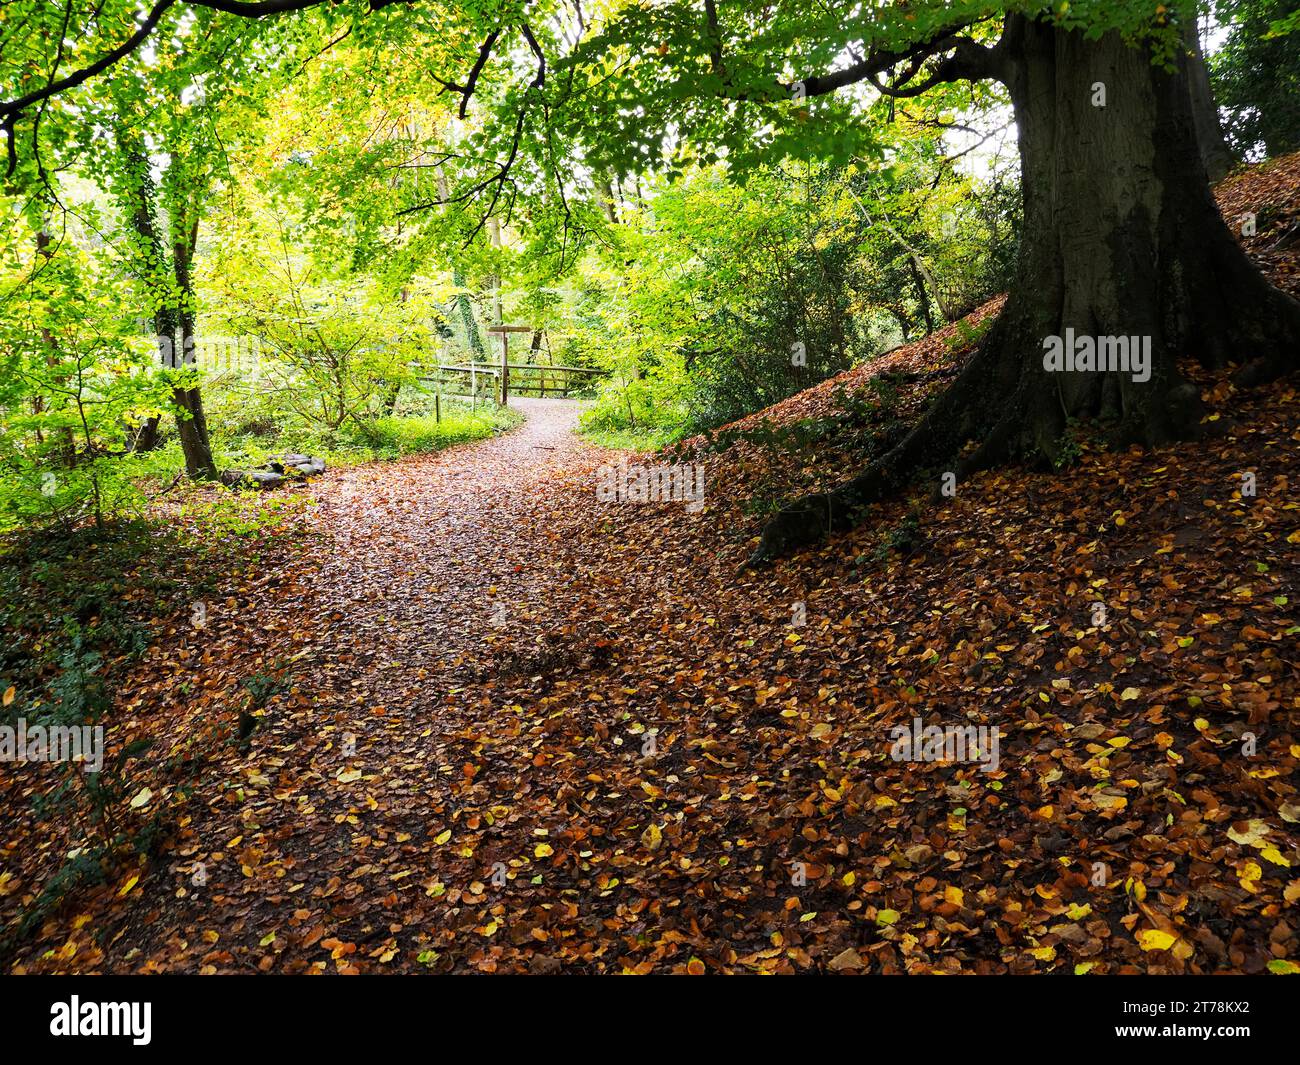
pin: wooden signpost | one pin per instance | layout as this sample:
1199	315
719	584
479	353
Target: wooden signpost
505	331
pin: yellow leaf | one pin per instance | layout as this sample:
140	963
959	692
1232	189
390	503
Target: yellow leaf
953	895
1249	833
442	837
347	776
1155	939
125	889
10	692
543	850
1129	694
887	917
142	798
652	838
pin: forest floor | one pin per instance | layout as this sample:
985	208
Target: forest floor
513	727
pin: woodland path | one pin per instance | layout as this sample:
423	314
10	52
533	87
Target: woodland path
459	775
441	555
422	581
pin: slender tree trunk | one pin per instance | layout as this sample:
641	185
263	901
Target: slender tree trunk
463	303
173	324
394	390
193	430
608	200
503	386
1122	239
903	325
922	297
918	266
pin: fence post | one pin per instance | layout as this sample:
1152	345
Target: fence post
505	369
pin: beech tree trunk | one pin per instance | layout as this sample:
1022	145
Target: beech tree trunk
1122	238
1215	153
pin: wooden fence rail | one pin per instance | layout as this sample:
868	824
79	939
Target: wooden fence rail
546	379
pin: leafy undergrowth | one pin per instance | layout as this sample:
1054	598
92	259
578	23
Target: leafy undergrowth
512	728
415	430
631	439
79	613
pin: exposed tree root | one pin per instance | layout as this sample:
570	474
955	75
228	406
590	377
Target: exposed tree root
1026	422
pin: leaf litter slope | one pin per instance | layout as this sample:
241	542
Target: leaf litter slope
480	651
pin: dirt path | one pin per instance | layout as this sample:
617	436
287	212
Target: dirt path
436	558
342	830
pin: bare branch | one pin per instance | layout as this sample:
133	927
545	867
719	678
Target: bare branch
467	90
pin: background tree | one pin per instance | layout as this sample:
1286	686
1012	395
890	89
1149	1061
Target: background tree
1256	77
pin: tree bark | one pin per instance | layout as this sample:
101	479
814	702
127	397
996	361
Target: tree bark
193	430
150	263
922	297
173	324
1215	153
463	303
1122	238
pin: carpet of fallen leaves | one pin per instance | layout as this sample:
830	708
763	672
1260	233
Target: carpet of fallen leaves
525	730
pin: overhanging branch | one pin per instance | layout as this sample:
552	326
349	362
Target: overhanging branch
11	109
968	61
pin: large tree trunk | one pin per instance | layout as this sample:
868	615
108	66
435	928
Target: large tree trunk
148	264
463	303
1122	238
1215	153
